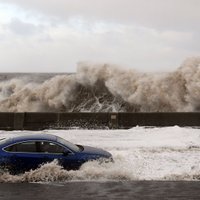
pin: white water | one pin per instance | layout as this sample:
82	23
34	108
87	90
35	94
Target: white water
170	153
106	88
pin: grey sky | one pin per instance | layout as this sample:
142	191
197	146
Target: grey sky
54	35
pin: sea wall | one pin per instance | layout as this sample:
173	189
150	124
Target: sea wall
53	120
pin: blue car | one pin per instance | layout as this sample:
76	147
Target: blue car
22	153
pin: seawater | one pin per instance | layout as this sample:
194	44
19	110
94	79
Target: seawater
103	190
103	88
159	154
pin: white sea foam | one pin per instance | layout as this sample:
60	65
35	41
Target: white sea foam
170	153
103	87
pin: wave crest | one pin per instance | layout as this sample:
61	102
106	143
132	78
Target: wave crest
106	88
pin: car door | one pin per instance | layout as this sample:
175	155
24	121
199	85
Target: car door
23	156
65	157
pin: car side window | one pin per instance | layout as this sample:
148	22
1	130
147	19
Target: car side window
50	147
23	147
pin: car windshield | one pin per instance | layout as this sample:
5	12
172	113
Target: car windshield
71	146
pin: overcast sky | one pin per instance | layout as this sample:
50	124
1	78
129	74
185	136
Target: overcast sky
54	35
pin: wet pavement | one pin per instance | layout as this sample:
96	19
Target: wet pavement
184	190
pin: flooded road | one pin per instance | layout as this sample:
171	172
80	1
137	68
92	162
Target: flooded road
159	154
102	190
150	163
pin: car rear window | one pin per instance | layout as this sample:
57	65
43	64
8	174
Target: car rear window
22	147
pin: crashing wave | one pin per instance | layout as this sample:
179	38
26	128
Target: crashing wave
106	88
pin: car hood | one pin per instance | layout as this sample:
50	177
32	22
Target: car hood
96	151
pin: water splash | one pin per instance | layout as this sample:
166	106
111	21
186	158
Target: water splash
93	171
168	153
106	88
52	172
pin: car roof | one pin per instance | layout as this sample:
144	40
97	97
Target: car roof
39	136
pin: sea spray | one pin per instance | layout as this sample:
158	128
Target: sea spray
106	88
52	172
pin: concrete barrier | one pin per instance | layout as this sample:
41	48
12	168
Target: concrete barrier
39	121
18	123
127	120
6	121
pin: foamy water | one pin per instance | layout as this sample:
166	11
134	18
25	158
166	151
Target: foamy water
105	88
140	153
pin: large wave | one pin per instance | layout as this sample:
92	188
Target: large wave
106	88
